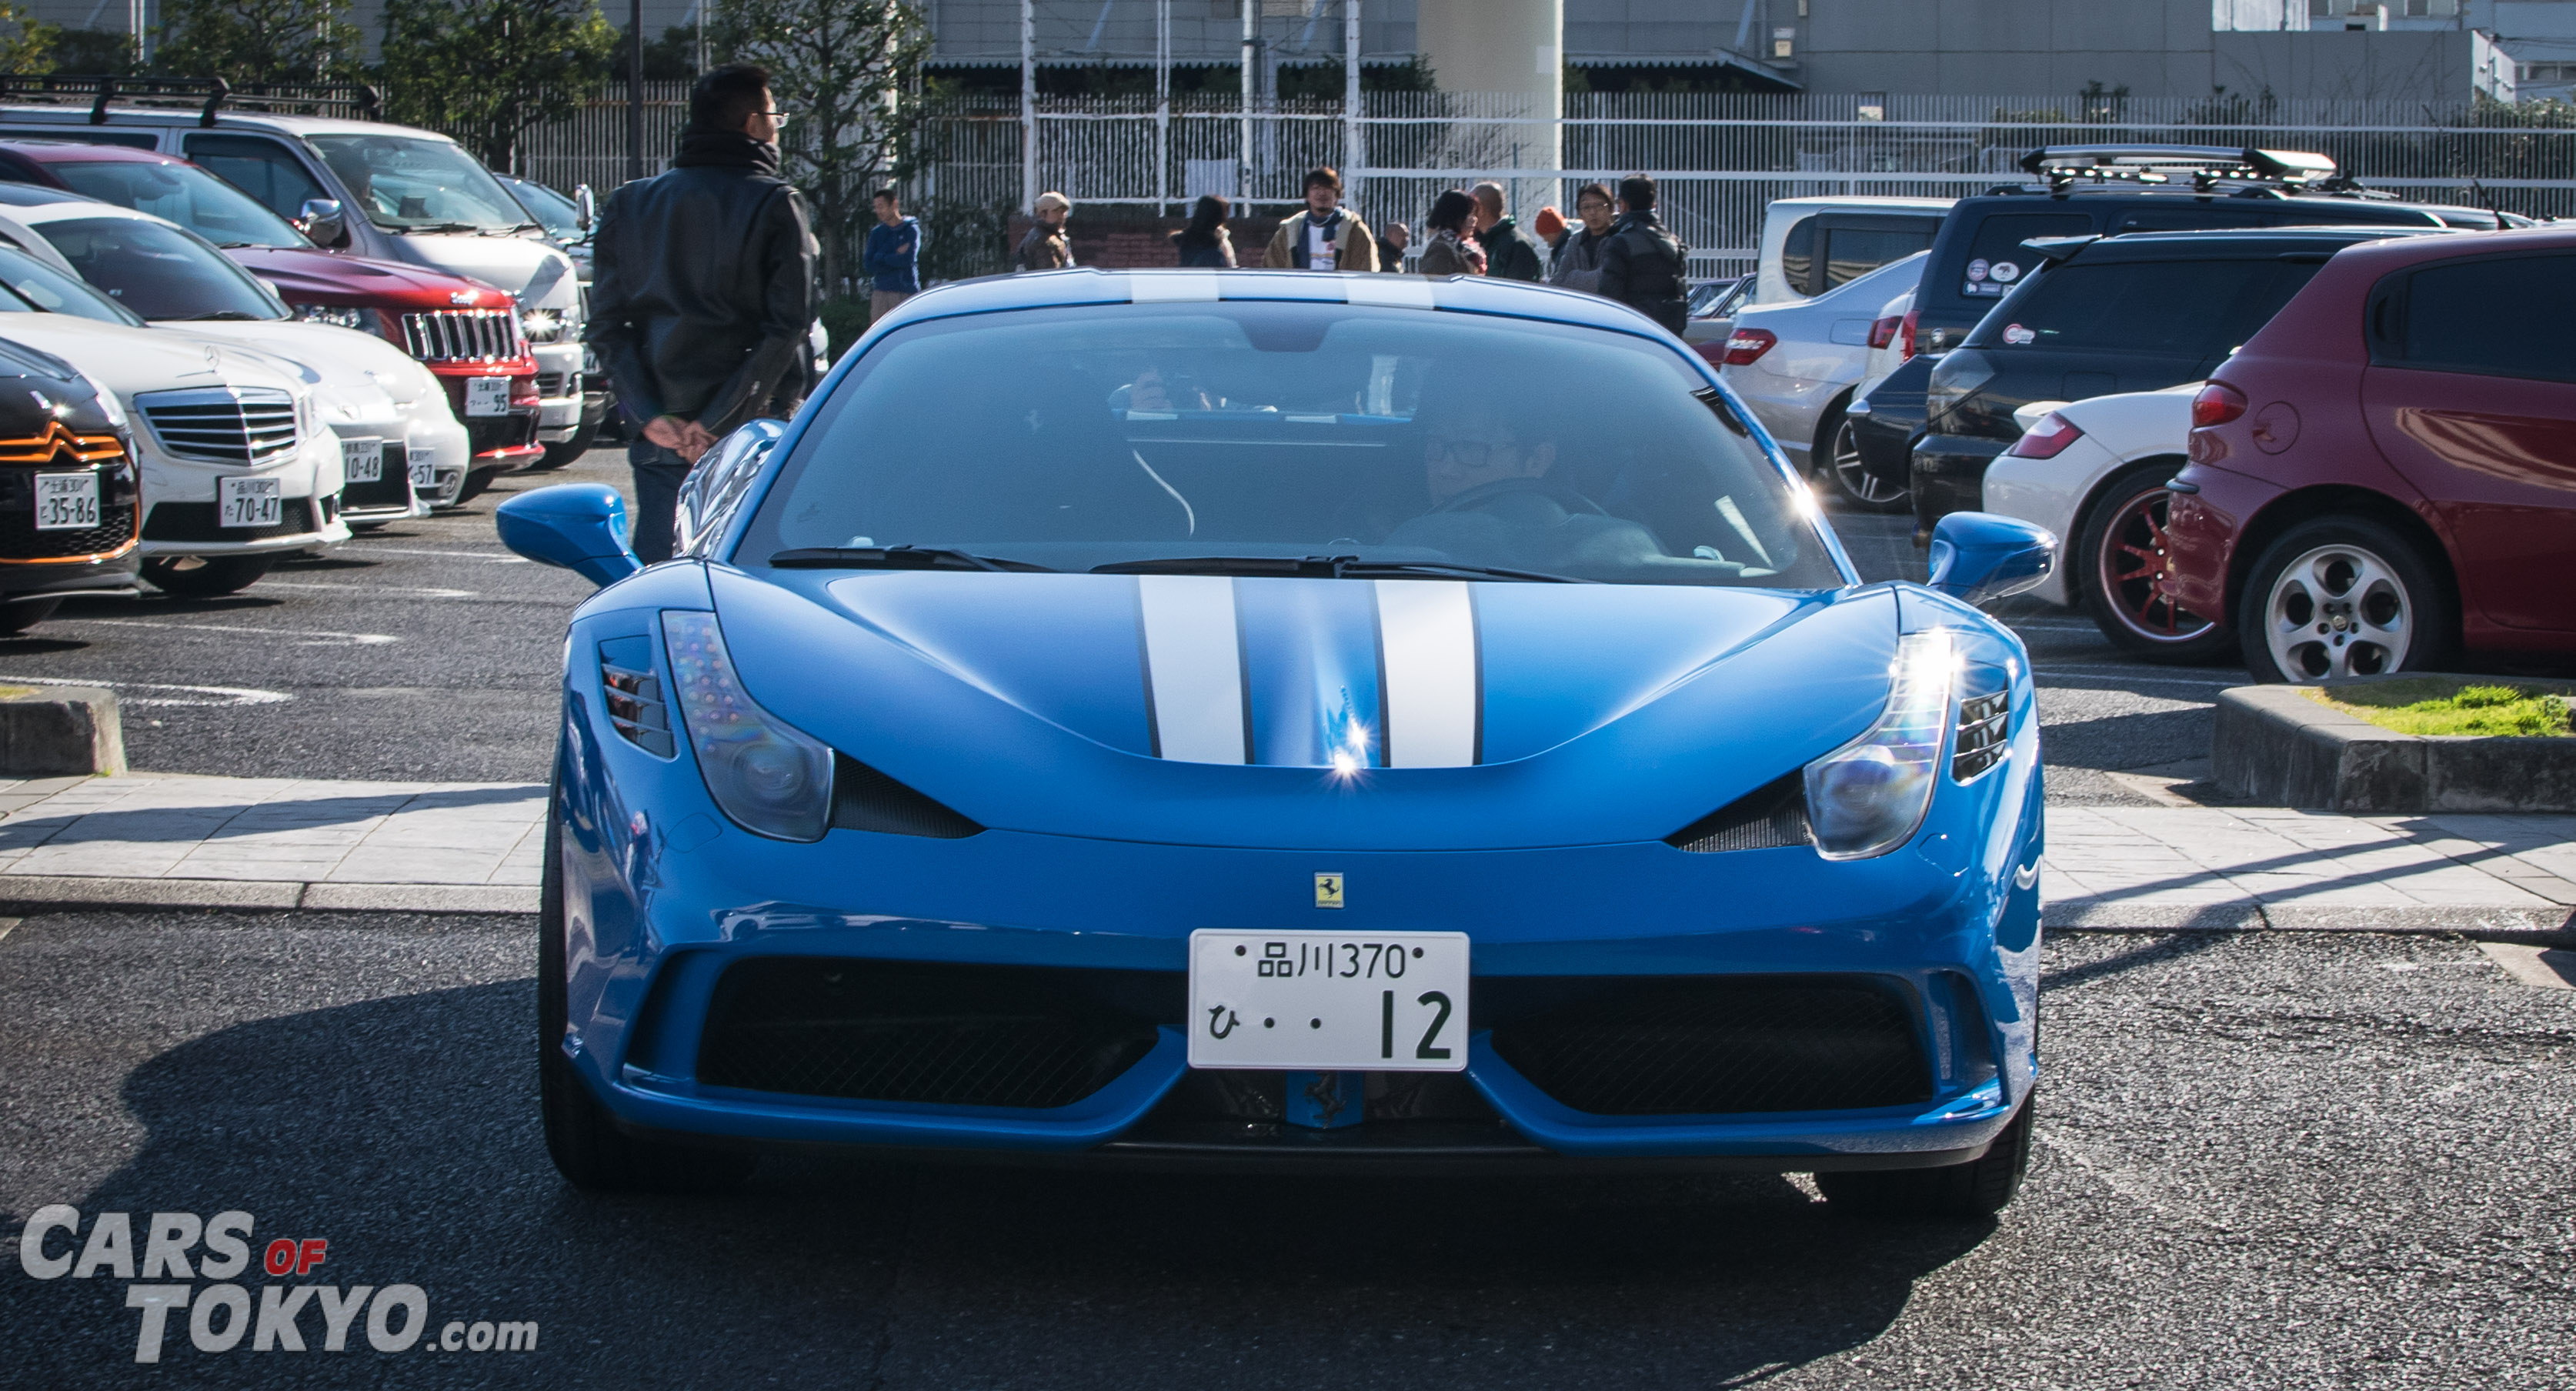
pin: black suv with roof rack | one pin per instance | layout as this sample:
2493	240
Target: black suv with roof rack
2104	190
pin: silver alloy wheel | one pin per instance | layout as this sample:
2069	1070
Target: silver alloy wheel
2338	611
1855	480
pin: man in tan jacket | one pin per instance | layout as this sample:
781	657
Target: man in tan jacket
1323	237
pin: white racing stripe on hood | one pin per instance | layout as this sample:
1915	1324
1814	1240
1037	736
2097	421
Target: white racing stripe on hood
1427	643
1194	667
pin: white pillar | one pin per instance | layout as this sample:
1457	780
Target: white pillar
1162	107
1243	165
1029	107
1515	48
1354	136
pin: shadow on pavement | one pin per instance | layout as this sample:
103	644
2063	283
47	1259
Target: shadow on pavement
403	1130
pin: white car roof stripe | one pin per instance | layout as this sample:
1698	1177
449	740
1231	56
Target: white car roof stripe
1389	291
1177	288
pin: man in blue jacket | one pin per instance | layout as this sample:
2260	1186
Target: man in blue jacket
893	255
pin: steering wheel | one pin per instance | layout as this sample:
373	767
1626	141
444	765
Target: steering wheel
1484	493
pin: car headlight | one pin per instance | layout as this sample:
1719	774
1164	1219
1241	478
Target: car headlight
1867	797
108	405
774	780
542	325
336	315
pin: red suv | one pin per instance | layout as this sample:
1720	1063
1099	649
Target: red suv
2385	475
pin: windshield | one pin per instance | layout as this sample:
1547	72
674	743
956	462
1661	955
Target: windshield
413	183
186	195
159	271
561	218
1078	438
44	288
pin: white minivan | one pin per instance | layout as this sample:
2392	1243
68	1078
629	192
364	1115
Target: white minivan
1811	245
406	195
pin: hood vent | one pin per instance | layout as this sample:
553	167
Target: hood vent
864	799
1767	818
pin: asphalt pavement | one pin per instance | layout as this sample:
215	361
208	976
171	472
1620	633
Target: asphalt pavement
425	651
2274	1160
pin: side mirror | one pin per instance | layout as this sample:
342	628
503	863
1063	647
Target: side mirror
1980	557
716	486
323	222
585	207
579	527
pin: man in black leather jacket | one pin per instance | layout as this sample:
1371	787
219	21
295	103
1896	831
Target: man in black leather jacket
1644	266
702	292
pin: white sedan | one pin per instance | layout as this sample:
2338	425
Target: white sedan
1796	364
2094	471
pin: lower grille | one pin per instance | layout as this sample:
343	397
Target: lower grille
19	539
196	521
490	432
903	1031
392	488
553	384
1714	1045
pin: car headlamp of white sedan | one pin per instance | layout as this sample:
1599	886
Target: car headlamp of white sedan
1868	797
773	779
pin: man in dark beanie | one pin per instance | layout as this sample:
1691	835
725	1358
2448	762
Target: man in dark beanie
702	291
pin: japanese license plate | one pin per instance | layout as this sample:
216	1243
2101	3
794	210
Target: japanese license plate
66	501
424	472
1329	1001
363	460
245	502
487	396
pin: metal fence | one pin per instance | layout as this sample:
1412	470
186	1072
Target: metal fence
589	147
1721	158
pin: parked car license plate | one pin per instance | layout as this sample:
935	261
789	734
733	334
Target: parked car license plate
246	502
66	501
424	473
363	461
487	396
1329	1001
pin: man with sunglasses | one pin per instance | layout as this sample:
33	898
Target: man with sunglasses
702	292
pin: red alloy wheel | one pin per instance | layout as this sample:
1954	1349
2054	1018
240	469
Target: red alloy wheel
2129	567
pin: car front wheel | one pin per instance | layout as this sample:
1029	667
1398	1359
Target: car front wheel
2342	596
1854	486
2123	580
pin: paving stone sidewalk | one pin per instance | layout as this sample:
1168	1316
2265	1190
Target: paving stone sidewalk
164	840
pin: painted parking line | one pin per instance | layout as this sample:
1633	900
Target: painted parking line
318	637
424	591
454	553
162	693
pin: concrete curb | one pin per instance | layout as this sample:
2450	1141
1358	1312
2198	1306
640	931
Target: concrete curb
2502	924
60	731
20	891
2273	745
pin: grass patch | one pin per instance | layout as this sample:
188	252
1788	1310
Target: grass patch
2433	706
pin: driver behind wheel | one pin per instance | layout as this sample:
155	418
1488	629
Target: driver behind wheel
1486	466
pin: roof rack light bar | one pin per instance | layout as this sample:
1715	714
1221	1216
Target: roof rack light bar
208	94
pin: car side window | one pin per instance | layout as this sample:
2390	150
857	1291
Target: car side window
1798	255
2165	307
1852	252
2499	316
260	167
1997	260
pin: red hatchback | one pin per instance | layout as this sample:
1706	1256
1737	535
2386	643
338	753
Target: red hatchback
2385	476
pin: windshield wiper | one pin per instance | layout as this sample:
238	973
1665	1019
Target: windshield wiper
436	227
1322	567
892	558
221	314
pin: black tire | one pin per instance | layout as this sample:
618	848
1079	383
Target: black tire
1837	461
206	577
2118	551
1979	1188
2343	596
25	614
475	483
558	455
583	1140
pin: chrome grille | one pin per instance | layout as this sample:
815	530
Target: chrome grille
463	335
554	383
224	425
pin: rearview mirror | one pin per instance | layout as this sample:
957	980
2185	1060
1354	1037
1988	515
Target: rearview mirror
585	207
323	222
580	527
1980	557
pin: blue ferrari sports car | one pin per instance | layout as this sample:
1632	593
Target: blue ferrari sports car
1338	722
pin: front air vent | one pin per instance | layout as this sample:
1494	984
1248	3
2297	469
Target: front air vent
864	799
1767	818
223	425
633	695
1983	727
